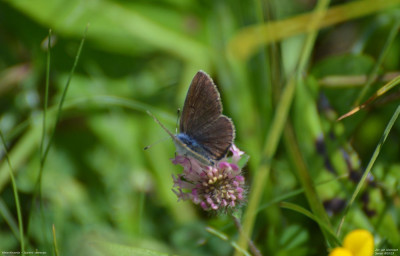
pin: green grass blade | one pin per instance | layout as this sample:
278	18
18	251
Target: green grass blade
273	138
224	237
294	193
247	41
262	173
24	147
290	138
59	109
44	122
306	180
395	81
64	93
46	95
320	222
46	149
133	26
369	166
373	75
7	216
55	241
16	197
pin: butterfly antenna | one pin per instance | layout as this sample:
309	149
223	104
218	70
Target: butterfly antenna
151	145
178	112
160	124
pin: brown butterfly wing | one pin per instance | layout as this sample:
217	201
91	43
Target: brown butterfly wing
202	117
202	105
217	137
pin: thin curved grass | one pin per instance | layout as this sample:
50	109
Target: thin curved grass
8	218
321	223
16	197
224	237
44	150
375	155
374	73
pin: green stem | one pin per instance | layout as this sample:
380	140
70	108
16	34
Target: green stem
15	190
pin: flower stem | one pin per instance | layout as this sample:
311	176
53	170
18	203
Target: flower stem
252	246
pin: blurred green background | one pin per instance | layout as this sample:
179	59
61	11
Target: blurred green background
105	195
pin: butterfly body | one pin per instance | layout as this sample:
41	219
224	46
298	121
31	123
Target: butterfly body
205	133
183	142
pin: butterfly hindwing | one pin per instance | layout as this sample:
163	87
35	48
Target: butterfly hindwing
216	138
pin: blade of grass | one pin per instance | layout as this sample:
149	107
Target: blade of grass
374	74
133	26
307	182
369	166
350	81
16	197
262	173
248	40
7	216
43	156
55	241
291	143
296	192
26	145
39	182
224	237
380	92
64	93
273	138
46	96
320	222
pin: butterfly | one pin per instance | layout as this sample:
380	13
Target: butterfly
204	132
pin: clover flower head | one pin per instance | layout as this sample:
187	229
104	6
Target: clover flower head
218	188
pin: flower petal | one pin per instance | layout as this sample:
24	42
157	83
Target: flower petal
340	252
360	242
218	187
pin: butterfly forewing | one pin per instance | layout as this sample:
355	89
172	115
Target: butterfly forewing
202	118
202	105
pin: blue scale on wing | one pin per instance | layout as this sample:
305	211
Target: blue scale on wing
193	145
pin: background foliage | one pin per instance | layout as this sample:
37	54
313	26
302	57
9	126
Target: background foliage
106	196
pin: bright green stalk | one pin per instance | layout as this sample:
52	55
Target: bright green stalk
15	190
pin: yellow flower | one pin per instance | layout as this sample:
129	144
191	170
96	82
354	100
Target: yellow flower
359	242
340	251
